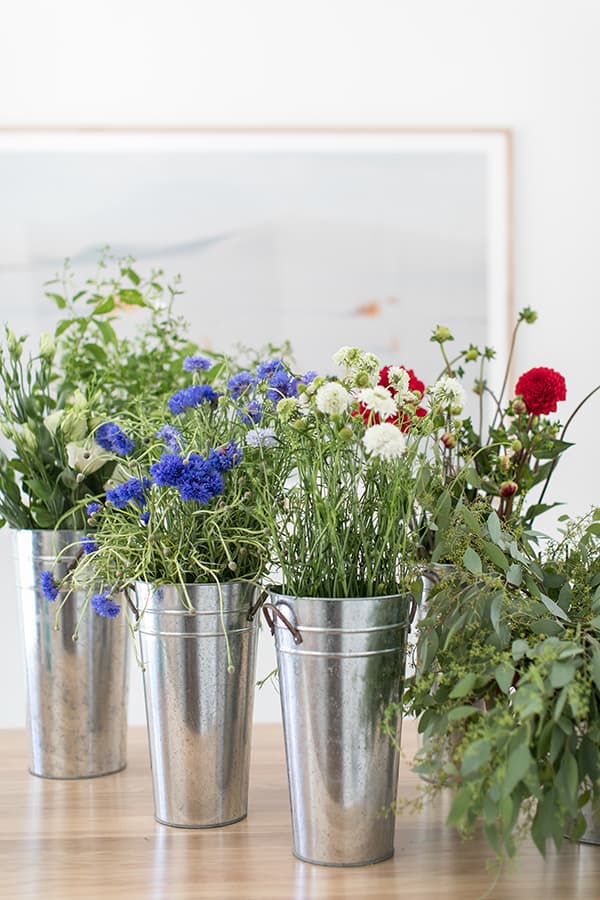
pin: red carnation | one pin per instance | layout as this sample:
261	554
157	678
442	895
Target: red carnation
541	389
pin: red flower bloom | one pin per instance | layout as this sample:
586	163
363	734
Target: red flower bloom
541	389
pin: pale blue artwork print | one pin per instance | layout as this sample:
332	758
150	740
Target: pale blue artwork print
321	239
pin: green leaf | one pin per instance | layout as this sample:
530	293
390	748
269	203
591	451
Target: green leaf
60	301
104	306
97	352
494	527
595	666
475	756
460	806
62	326
495	555
131	297
519	762
464	686
568	780
560	703
562	673
554	608
519	649
495	610
472	561
107	331
504	674
133	276
514	574
462	712
469	518
471	477
550	448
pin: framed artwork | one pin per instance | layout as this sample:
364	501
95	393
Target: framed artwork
321	237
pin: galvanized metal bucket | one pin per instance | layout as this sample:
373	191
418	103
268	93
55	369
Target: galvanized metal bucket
341	664
199	714
76	690
591	814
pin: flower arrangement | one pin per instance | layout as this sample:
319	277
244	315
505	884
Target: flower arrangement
501	461
352	447
56	402
180	510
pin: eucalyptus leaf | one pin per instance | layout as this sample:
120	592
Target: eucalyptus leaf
472	561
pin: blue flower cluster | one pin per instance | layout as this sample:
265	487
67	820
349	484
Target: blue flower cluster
196	364
282	385
190	397
104	605
49	587
112	438
195	477
130	491
240	383
171	437
92	508
88	544
268	368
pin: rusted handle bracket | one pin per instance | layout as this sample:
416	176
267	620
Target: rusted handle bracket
254	609
271	621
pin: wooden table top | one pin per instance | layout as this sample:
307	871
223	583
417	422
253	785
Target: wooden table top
97	838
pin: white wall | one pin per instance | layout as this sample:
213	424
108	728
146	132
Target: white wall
530	65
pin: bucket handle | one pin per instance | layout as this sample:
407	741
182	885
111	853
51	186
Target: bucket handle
270	619
413	610
256	607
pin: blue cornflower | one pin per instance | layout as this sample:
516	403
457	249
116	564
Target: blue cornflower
49	586
88	544
132	490
262	437
225	457
104	605
282	385
92	508
201	481
240	383
112	438
196	364
308	377
268	368
253	413
145	517
172	437
191	396
168	471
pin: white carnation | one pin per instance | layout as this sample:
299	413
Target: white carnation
399	379
347	357
379	400
384	441
448	392
332	398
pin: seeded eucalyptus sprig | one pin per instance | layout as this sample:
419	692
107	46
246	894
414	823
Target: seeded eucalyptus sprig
508	679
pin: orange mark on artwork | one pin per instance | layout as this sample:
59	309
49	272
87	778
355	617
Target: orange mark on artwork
371	309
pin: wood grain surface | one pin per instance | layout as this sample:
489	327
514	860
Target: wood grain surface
97	839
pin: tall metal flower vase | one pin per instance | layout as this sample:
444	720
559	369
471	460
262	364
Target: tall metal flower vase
341	664
76	690
199	714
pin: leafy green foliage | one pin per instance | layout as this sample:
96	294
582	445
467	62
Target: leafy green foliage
508	679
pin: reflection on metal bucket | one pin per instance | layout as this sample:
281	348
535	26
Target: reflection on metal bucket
77	691
341	664
199	714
